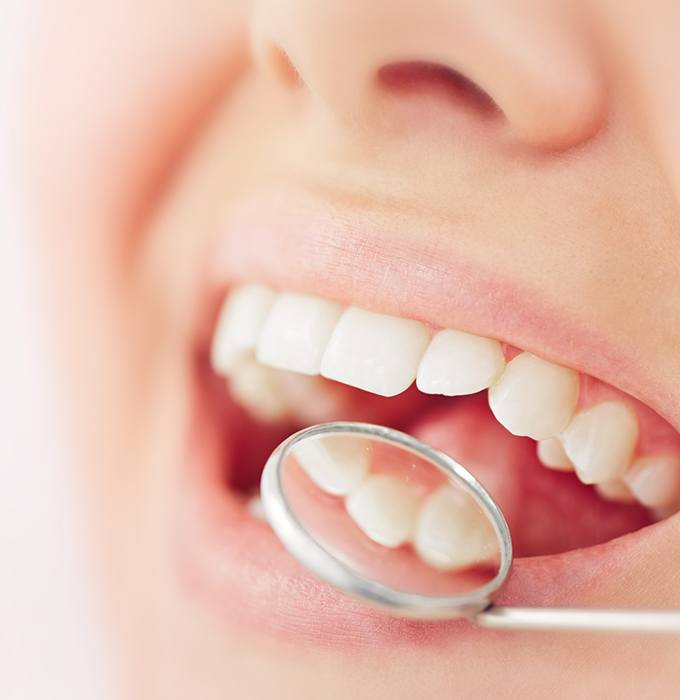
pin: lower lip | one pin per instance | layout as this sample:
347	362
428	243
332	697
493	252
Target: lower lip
236	565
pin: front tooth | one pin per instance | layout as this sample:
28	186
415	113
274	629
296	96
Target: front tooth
336	465
239	324
385	509
552	455
534	397
452	533
457	363
375	352
600	441
655	481
296	332
256	388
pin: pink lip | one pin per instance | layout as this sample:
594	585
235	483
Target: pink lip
235	562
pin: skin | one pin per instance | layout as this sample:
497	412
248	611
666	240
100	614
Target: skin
141	124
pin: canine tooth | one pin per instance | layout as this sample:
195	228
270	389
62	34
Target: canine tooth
534	397
385	509
600	441
457	363
239	324
552	455
256	388
451	532
655	481
336	465
616	490
296	332
375	352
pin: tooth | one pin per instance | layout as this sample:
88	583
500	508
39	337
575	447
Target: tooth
239	325
552	455
375	352
655	481
600	441
385	509
256	509
616	490
452	533
256	388
534	397
296	332
336	465
458	363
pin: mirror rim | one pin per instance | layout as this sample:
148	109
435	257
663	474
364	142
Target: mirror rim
302	545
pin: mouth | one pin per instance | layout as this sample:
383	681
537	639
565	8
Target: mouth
311	322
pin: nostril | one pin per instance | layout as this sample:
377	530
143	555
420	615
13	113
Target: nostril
281	66
433	79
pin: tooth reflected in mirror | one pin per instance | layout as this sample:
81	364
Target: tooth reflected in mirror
389	514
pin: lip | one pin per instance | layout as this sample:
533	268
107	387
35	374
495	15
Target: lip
235	563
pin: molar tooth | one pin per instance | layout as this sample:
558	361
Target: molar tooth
600	441
256	509
375	352
551	454
452	533
239	324
534	397
457	363
385	509
655	481
336	465
616	490
296	332
256	388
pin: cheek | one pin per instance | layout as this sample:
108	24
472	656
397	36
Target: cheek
115	133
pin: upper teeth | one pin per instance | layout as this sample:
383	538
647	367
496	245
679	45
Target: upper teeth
386	354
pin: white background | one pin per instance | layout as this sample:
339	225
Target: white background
48	637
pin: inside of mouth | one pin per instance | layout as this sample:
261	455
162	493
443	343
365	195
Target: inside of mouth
548	511
599	463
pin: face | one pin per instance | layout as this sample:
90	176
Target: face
457	221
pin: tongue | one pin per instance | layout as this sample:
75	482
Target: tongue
547	511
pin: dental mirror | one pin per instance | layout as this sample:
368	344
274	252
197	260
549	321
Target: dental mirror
387	519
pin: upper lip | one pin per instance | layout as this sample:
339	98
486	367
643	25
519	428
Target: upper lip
296	241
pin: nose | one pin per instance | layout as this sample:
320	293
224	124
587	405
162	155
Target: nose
530	57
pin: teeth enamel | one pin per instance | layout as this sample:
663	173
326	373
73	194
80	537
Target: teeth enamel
336	465
256	388
655	481
256	509
552	455
534	397
452	533
457	363
616	490
375	352
296	332
385	509
239	324
290	332
600	441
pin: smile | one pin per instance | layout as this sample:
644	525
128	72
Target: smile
582	470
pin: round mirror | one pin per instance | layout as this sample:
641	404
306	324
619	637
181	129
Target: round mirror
386	518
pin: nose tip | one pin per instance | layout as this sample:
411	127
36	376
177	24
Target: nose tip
536	68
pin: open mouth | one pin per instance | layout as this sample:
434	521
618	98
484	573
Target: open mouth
581	469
